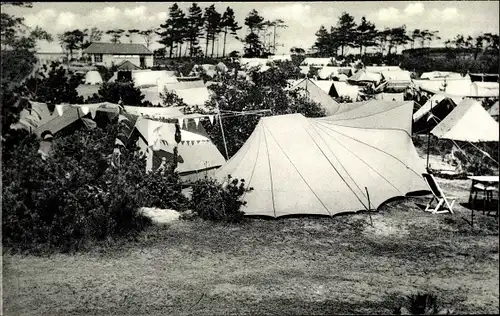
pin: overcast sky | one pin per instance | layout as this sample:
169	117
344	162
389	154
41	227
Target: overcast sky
303	18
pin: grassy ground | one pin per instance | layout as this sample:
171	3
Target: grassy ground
283	267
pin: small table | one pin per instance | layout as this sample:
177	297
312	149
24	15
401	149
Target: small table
485	180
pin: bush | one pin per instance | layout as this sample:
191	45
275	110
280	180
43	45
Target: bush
214	201
75	197
163	190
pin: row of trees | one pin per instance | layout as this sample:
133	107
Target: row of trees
189	28
347	33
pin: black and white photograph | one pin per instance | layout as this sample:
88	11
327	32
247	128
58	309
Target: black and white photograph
250	158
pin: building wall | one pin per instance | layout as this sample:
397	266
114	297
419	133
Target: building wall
108	60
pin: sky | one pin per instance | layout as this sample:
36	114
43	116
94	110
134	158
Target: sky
303	18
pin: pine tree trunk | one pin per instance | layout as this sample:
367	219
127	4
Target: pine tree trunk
360	51
206	44
342	50
213	42
224	46
171	50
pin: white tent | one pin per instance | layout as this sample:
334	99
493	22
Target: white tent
343	89
469	122
280	57
194	96
316	94
197	154
494	110
399	79
151	77
93	77
398	97
440	75
365	76
298	165
432	102
310	61
380	69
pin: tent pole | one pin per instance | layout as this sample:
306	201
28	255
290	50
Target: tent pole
222	131
369	206
428	143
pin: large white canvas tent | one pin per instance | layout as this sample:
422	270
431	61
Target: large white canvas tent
343	89
397	79
316	94
298	165
463	87
469	122
93	77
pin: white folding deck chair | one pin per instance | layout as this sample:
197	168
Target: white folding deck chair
438	195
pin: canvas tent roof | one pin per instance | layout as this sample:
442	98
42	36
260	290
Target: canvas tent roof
432	102
311	61
374	114
365	76
398	76
469	122
298	165
440	74
152	95
343	89
194	96
196	151
184	85
156	112
127	66
459	87
87	90
380	69
93	77
40	119
494	109
331	71
316	94
399	97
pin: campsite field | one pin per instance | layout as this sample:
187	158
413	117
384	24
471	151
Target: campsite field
287	267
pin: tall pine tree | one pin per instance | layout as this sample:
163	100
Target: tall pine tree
195	23
228	25
253	44
173	29
345	32
366	33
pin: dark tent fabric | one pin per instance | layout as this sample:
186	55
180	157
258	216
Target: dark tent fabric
439	111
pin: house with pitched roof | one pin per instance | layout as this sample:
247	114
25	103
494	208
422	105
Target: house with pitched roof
108	54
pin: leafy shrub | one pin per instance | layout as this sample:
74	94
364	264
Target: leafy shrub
55	87
170	98
219	202
163	190
106	73
115	91
75	197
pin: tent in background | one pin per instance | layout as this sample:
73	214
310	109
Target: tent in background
429	119
319	62
396	79
440	75
398	97
197	155
127	66
93	77
298	165
316	94
194	96
365	77
432	103
494	111
343	89
468	122
380	69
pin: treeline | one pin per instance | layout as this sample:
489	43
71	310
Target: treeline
348	34
182	33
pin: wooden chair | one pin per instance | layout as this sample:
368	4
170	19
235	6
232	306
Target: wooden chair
438	195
